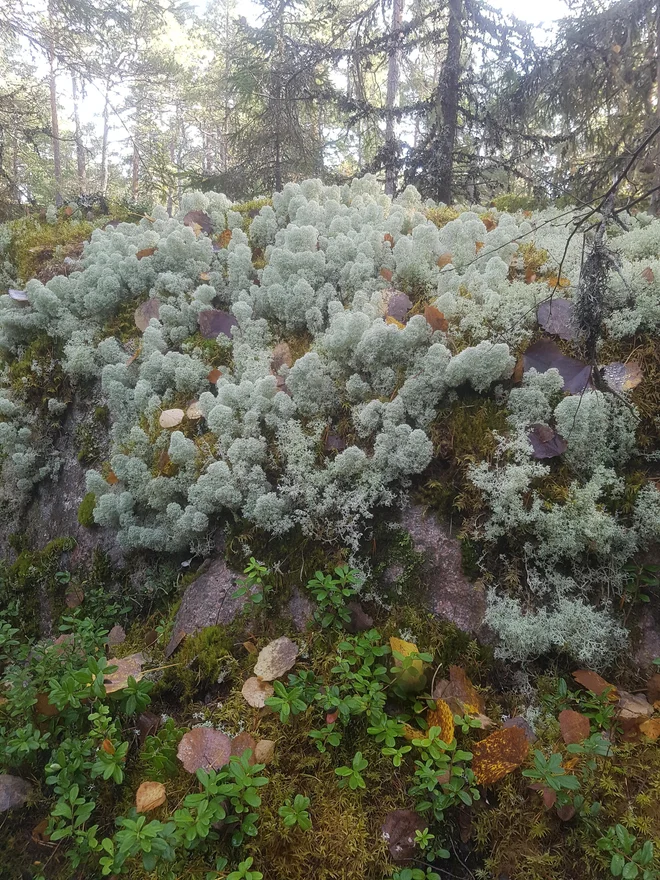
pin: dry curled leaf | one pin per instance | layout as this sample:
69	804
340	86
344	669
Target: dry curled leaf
198	222
264	751
276	659
574	726
146	252
127	667
145	312
204	747
651	728
435	319
593	682
257	692
500	753
38	833
170	418
442	717
149	796
444	260
214	375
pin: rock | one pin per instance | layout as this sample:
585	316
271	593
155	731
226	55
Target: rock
14	792
392	573
360	620
450	594
300	609
207	601
648	643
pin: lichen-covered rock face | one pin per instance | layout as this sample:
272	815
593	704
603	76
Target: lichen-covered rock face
450	594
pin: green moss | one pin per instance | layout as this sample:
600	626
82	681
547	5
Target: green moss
122	325
86	510
37	374
35	242
511	202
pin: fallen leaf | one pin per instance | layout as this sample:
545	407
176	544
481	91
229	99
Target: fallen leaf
214	375
204	747
516	378
647	274
558	283
593	682
264	751
275	659
444	260
653	688
548	795
333	442
388	237
465	690
224	238
386	274
147	725
398	830
616	48
574	726
555	316
44	707
435	319
651	728
398	306
74	597
257	692
150	638
405	649
442	717
566	812
523	724
623	377
145	312
112	479
39	835
489	223
163	460
204	276
116	636
193	412
544	355
499	754
146	252
633	705
14	792
530	276
18	295
478	245
251	648
241	743
149	796
108	747
215	322
170	418
390	320
198	219
127	667
331	717
546	442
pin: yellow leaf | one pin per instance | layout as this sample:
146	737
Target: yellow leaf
405	649
391	320
499	754
442	717
651	728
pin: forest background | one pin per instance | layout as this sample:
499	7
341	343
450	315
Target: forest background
137	100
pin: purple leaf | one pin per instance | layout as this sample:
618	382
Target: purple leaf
556	317
200	219
398	831
398	306
144	313
334	441
544	355
546	442
213	322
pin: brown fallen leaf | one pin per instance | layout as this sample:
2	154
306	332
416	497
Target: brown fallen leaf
224	238
112	479
264	751
280	356
38	833
463	688
651	728
127	667
204	276
444	260
523	724
214	375
388	237
146	252
257	692
275	659
170	418
43	707
516	378
435	319
478	245
386	274
566	812
193	412
198	221
574	726
594	682
204	747
250	647
145	312
147	725
116	636
489	223
150	638
241	743
653	688
648	275
74	597
499	754
149	796
398	830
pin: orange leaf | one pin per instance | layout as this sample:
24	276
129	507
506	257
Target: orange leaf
386	274
478	245
204	276
574	726
530	276
651	728
112	478
489	223
593	682
149	796
560	283
214	375
410	733
436	319
391	320
518	371
388	237
146	252
39	833
108	747
224	238
499	754
444	260
571	763
463	688
442	717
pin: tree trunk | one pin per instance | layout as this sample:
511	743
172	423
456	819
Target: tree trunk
54	121
135	184
655	198
446	106
390	100
80	148
104	143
